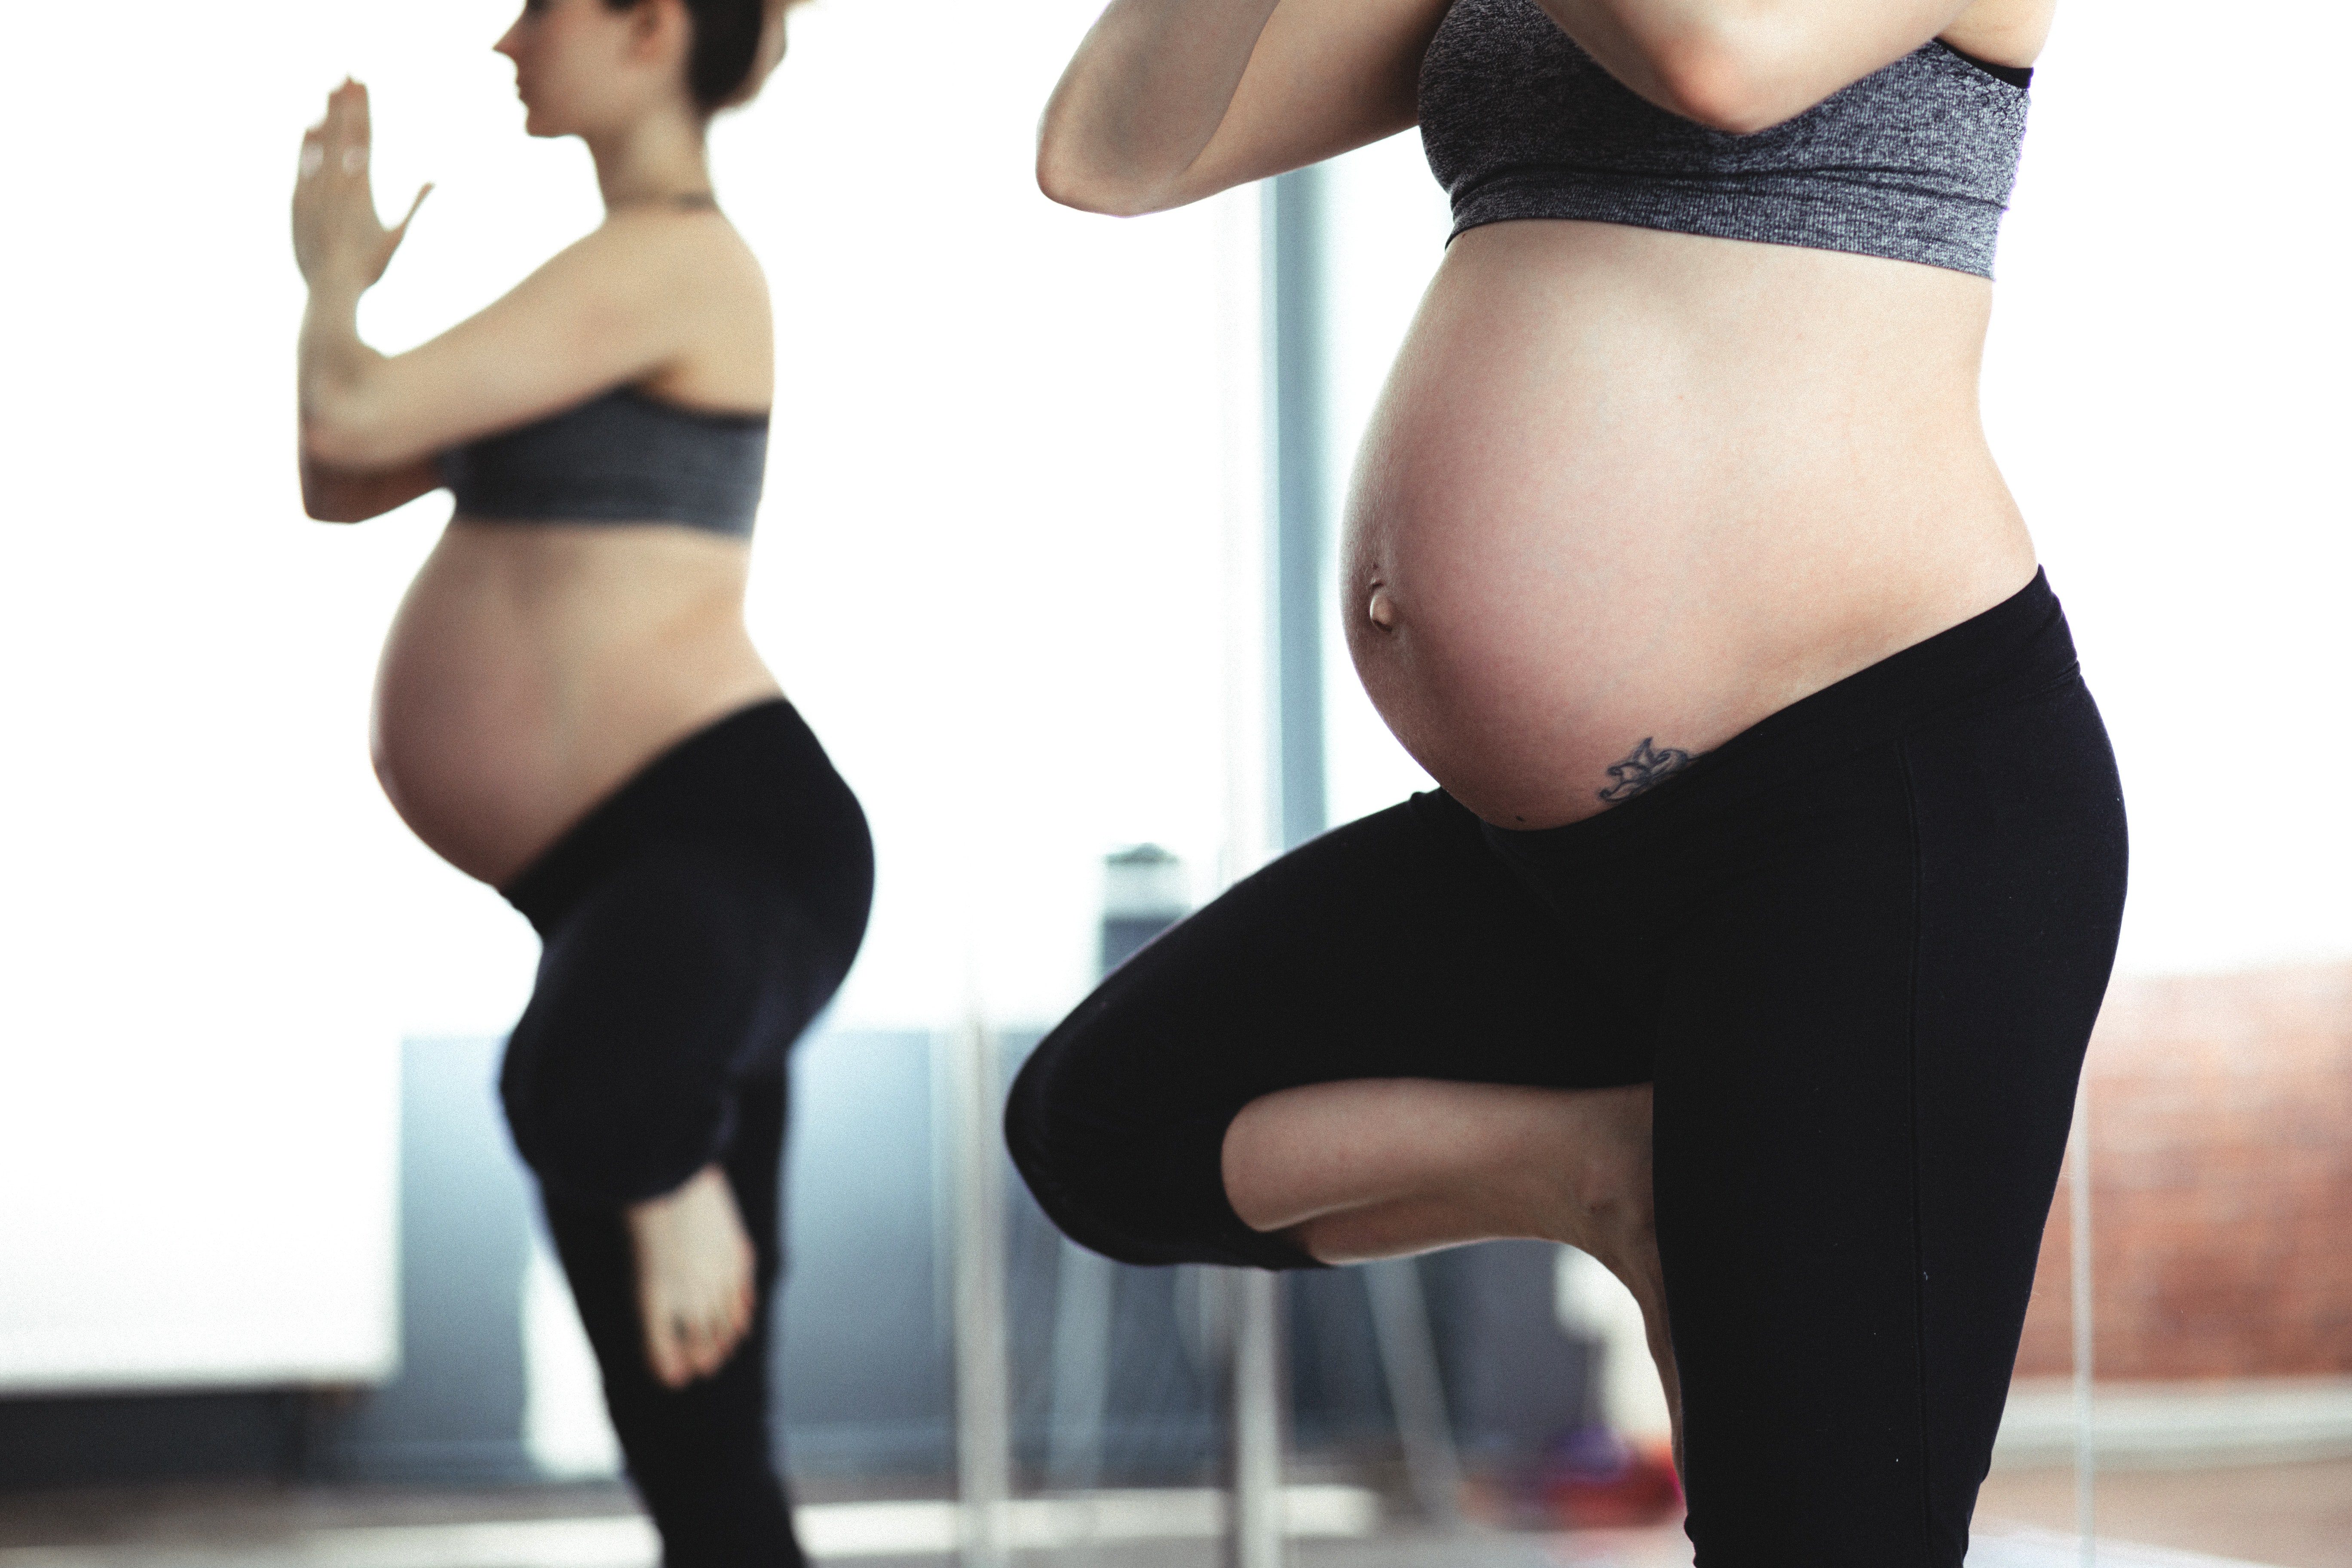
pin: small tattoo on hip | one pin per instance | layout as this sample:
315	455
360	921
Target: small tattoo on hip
1645	765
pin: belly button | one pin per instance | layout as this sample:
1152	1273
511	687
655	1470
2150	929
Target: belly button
1382	609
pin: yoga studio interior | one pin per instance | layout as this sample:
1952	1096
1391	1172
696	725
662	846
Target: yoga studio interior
1047	555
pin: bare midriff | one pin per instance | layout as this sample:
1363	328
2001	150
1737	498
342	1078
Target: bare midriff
1628	486
534	668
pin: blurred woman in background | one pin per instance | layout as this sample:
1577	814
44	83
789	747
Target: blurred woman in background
570	708
1755	936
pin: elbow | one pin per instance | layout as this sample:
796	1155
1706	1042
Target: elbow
342	437
1722	79
1069	188
1080	188
1070	179
326	444
328	497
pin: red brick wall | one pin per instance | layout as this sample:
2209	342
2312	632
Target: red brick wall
2221	1182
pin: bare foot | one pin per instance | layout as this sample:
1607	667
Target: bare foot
1604	1205
694	1277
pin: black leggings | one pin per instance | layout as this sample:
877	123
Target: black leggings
1858	948
694	923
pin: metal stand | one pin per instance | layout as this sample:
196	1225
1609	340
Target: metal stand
1084	1287
1416	1388
983	1373
1253	1534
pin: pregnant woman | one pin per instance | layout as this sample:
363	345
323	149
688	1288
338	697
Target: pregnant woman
570	708
1754	938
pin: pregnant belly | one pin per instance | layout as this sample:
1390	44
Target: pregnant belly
531	672
1626	493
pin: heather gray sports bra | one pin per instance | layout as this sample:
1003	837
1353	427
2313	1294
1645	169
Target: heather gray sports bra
1914	162
620	457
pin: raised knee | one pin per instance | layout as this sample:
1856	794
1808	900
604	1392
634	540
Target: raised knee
595	1139
1086	1177
1030	1127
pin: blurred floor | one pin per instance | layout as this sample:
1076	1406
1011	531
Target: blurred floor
598	1527
260	1523
2289	1516
2281	1516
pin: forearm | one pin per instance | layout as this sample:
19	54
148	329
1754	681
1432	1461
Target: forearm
1745	64
333	371
1142	96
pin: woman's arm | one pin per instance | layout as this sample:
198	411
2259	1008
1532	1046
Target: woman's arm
617	307
1171	101
1744	66
335	495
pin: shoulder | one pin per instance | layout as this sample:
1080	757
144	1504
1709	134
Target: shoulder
672	255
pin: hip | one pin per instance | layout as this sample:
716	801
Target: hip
753	792
1975	760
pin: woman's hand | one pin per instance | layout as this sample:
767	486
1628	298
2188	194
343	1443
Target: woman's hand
338	239
1744	66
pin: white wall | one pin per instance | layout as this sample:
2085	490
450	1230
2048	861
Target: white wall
2166	389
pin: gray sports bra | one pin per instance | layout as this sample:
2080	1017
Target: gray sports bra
620	457
1913	162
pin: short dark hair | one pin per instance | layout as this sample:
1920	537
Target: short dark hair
727	35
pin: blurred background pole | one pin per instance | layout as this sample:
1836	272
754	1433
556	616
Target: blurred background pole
1416	1390
1144	893
1254	1528
1297	316
983	1375
1291	230
1299	359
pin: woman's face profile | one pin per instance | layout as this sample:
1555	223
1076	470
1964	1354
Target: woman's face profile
577	63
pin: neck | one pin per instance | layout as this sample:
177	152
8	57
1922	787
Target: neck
658	159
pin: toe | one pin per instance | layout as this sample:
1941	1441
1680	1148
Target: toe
698	1345
668	1361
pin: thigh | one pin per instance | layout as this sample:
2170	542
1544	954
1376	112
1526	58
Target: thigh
1393	947
1866	1064
680	973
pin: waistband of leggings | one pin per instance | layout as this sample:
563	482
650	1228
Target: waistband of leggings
725	781
2019	647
